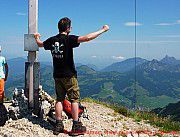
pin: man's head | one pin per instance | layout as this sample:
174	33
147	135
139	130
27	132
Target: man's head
64	25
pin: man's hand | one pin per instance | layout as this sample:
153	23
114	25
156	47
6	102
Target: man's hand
37	35
38	41
105	28
93	35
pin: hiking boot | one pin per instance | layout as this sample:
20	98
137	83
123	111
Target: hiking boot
51	118
59	127
1	102
77	129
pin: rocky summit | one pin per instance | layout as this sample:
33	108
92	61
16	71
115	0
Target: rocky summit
102	121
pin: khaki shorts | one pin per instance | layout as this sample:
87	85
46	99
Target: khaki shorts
67	86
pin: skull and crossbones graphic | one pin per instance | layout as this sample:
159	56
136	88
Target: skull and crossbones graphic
56	47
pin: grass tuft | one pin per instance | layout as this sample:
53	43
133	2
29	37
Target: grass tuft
165	124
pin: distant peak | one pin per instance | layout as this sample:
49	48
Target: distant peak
168	58
154	60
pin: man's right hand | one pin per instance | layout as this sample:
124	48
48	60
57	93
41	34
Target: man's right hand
105	28
93	35
37	35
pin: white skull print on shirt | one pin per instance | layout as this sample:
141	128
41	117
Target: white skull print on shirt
57	52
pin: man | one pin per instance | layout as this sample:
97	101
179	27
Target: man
3	76
65	75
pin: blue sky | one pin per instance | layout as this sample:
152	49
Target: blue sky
158	27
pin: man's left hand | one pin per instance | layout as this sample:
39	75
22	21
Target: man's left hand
37	35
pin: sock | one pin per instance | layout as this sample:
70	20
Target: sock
58	121
75	122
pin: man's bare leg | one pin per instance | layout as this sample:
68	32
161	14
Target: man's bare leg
74	110
58	110
59	128
77	128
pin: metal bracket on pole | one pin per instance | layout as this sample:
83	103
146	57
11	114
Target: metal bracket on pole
30	43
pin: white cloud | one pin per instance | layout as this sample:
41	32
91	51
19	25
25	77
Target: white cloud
164	24
168	24
157	42
133	24
169	36
21	14
94	56
118	57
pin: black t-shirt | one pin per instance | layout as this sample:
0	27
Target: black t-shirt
61	47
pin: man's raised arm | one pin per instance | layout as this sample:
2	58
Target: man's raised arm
93	35
38	41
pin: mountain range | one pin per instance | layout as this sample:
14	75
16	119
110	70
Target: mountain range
157	82
125	66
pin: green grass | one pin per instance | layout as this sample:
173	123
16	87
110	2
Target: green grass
153	102
165	124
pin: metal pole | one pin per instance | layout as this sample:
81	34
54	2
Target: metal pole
32	55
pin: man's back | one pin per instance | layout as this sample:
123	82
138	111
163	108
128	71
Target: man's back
61	47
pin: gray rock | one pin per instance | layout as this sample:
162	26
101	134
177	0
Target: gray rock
19	106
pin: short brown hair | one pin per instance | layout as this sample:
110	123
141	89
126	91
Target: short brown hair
64	24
